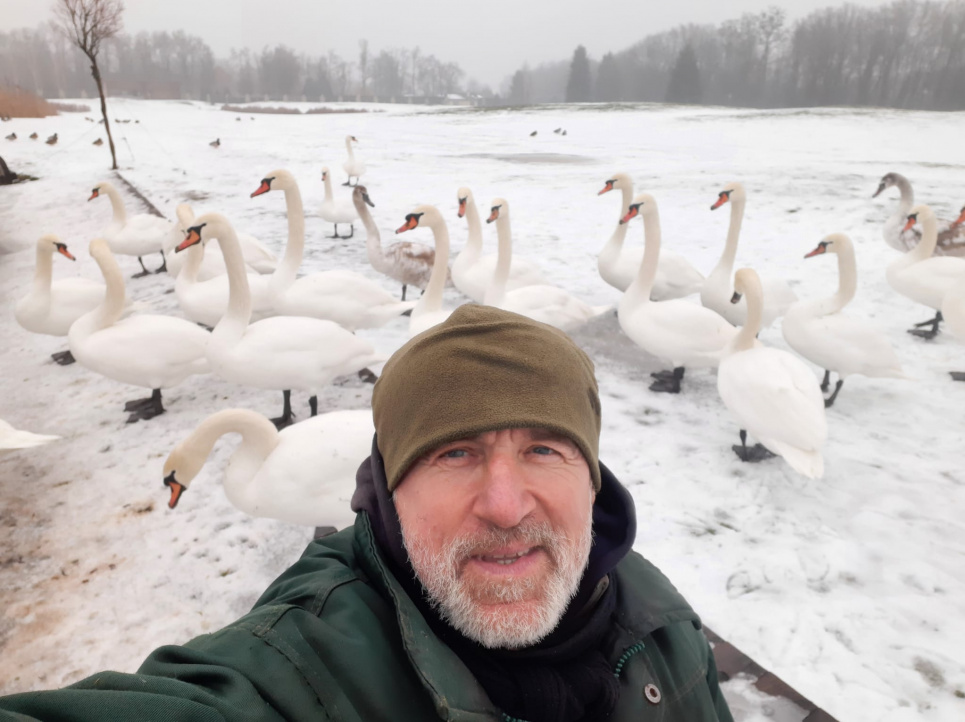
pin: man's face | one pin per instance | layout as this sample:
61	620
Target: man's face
498	529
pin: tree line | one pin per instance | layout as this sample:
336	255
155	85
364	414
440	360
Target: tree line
180	65
908	54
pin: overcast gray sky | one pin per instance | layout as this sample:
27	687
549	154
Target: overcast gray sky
488	39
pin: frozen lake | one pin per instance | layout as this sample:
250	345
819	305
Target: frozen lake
851	587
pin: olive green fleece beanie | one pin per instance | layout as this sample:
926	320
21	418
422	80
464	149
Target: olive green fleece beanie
484	369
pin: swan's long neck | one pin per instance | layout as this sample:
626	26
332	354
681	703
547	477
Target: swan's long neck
348	147
747	336
474	241
496	289
112	306
726	262
44	272
907	194
328	188
232	325
373	239
847	281
117	204
285	272
611	251
639	290
929	239
431	300
191	266
258	439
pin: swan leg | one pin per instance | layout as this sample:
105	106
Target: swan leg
287	418
64	358
351	230
826	384
930	333
313	405
367	376
336	233
144	271
144	409
829	402
163	268
957	375
755	453
671	384
348	182
403	291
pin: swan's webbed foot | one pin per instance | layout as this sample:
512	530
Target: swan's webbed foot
930	333
751	454
287	418
367	376
957	375
144	272
668	382
163	268
63	358
829	402
826	384
144	409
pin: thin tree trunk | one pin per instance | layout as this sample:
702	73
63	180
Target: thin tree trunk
107	123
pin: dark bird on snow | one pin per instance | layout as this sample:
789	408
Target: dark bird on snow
33	136
563	133
557	131
99	141
12	136
52	140
216	143
532	134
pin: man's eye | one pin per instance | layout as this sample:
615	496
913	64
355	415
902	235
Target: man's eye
543	450
454	453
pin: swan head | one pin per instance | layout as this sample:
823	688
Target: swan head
499	207
277	180
643	204
180	468
746	281
733	192
834	243
351	139
52	244
421	217
361	195
617	181
922	213
325	173
98	189
887	181
464	196
99	250
960	220
205	227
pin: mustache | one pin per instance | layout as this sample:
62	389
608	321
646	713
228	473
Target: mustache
528	533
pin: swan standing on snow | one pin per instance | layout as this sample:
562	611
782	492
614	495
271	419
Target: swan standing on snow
303	475
134	236
428	311
772	393
544	303
823	335
676	331
951	237
353	166
279	353
156	352
618	264
52	306
923	278
407	262
337	211
472	272
12	439
719	287
350	299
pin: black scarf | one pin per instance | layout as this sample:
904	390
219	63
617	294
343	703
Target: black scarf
564	678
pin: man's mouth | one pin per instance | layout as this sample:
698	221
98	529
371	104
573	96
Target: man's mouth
506	559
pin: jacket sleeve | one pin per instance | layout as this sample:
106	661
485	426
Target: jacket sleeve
229	676
713	684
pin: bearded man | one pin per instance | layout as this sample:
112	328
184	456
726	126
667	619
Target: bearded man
488	576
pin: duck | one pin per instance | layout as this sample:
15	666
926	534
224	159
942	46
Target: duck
51	307
348	298
34	136
407	262
156	352
282	352
51	140
428	311
135	236
675	331
304	474
951	237
12	439
919	276
99	141
337	211
718	288
618	264
12	136
472	272
545	303
772	393
353	166
823	335
216	143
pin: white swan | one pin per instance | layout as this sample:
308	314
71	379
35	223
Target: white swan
52	306
12	439
337	211
156	352
303	475
823	335
719	286
428	311
951	237
547	304
618	264
472	272
134	236
206	301
350	299
353	166
280	353
773	394
677	331
920	276
407	262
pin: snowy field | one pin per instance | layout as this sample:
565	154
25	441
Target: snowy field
851	588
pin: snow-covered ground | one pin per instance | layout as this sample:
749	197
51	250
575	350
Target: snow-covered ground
851	588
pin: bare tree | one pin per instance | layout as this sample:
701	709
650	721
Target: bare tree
87	23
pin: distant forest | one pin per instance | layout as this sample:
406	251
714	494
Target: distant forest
908	54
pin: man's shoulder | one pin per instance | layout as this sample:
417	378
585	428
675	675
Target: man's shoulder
647	600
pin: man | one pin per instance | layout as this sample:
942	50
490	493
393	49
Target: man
488	576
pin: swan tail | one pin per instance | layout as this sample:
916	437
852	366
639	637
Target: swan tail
25	440
599	310
809	463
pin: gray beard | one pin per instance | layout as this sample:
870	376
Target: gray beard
451	596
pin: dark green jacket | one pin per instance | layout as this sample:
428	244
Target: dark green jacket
336	638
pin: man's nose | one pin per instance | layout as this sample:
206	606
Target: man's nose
504	500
